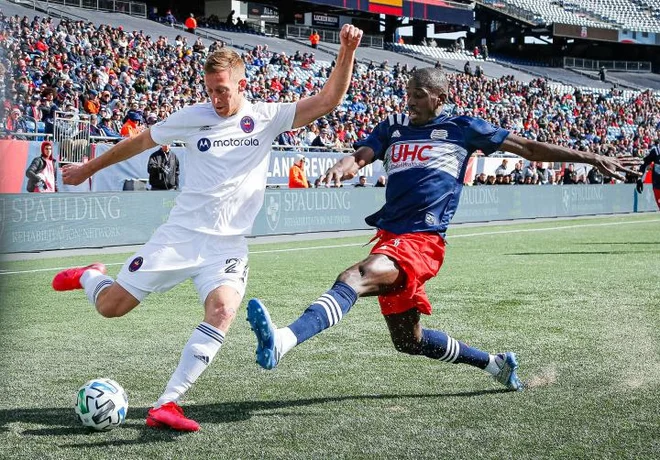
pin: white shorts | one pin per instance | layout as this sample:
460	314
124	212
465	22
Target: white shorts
174	254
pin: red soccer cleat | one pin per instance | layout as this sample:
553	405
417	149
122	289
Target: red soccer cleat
170	415
69	279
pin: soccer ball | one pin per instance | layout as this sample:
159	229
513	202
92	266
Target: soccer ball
101	404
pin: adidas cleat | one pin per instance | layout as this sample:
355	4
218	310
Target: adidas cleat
263	328
507	375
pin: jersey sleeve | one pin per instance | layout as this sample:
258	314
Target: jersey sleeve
280	116
175	127
481	135
376	141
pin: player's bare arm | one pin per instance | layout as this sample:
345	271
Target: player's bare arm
77	173
539	151
313	107
347	167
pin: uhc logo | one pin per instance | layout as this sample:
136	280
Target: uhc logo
203	144
410	152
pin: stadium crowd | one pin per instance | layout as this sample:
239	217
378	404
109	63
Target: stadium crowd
126	80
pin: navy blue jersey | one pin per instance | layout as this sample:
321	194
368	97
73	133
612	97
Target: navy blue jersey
425	166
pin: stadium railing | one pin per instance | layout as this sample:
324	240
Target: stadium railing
118	6
206	33
595	65
330	36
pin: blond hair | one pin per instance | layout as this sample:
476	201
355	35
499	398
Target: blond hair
225	59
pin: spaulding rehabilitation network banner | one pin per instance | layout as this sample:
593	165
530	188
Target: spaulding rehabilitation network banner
38	222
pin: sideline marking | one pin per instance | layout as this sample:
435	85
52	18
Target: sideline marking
335	246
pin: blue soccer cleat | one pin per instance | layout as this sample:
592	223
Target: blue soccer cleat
507	375
267	353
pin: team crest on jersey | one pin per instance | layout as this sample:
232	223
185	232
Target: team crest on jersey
135	264
203	144
247	124
438	134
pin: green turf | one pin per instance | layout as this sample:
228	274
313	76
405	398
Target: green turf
579	304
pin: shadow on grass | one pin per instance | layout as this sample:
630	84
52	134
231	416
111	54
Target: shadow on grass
64	423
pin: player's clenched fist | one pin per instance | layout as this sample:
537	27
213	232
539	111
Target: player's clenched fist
350	36
74	174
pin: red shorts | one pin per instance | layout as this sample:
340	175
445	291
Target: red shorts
656	193
420	256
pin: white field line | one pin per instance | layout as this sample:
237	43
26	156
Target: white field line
336	246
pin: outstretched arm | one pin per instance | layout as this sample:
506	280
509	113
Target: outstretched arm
539	151
347	167
313	107
77	173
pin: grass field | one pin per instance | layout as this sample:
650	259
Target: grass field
578	300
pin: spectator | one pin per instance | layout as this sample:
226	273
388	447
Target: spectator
133	125
545	174
169	18
484	51
502	168
324	139
480	179
517	175
163	169
381	182
42	172
314	39
297	176
570	176
191	23
594	176
467	69
16	124
230	18
362	181
602	74
105	128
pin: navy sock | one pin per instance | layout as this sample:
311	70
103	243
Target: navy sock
438	345
325	312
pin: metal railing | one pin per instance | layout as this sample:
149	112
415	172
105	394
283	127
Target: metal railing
206	33
71	131
512	10
331	36
591	64
117	6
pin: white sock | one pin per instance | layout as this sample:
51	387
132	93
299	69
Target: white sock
196	356
494	365
285	340
93	281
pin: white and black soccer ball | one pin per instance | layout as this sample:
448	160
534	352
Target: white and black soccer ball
101	404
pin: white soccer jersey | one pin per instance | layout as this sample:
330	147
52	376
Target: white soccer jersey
226	163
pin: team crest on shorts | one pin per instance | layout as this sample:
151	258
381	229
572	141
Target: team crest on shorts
135	264
247	124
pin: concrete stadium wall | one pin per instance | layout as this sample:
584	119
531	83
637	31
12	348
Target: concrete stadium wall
38	222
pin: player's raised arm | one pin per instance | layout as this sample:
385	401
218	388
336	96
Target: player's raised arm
313	107
77	173
347	167
539	151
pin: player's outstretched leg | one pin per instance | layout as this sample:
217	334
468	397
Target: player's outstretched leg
325	312
409	337
170	415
